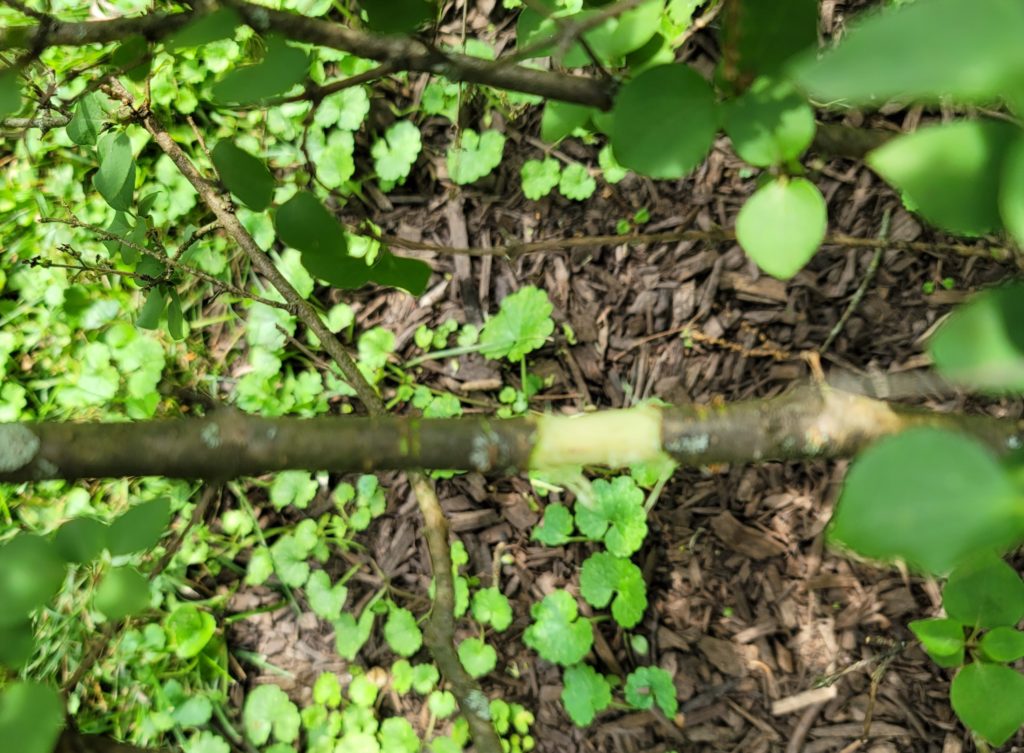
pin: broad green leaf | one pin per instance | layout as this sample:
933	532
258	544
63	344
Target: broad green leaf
397	16
244	175
80	540
984	593
424	678
477	657
189	630
950	173
646	686
558	633
325	600
943	639
281	68
782	224
350	634
209	27
475	155
115	180
175	320
904	499
1003	644
289	554
335	164
327	690
152	309
17	644
1011	191
923	50
268	710
556	526
31	572
626	32
402	272
31	717
560	119
490	606
770	124
987	698
295	488
206	742
132	57
614	515
10	93
398	736
604	575
585	692
576	182
395	153
122	592
402	633
362	691
305	224
759	37
664	122
84	127
981	345
140	528
521	325
539	177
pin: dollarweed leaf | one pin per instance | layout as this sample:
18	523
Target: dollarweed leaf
558	634
615	515
521	325
585	693
604	575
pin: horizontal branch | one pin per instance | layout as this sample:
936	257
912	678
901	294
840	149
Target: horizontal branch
809	422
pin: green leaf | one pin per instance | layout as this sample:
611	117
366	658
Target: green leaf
943	639
760	37
327	690
289	554
402	633
396	153
152	309
175	320
646	686
209	27
950	172
984	593
475	155
522	325
31	716
10	93
625	32
132	56
477	656
576	182
305	224
122	592
892	54
615	515
17	645
585	693
560	119
324	599
115	180
558	634
1011	191
139	528
335	164
604	575
31	572
189	629
981	344
904	499
424	678
281	68
555	528
350	635
397	16
613	171
244	175
770	124
295	488
84	128
1003	644
80	540
539	177
441	704
398	736
782	224
260	567
663	122
986	697
206	742
268	710
362	691
490	606
402	272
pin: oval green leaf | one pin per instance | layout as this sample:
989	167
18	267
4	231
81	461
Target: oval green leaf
664	122
782	224
943	640
115	180
769	125
244	175
1003	644
31	717
10	93
31	572
984	593
122	592
80	540
1011	191
282	68
190	629
84	127
17	644
903	498
759	37
987	698
950	173
140	528
306	225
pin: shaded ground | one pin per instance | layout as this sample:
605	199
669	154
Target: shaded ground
747	608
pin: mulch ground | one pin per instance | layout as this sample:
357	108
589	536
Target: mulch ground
748	608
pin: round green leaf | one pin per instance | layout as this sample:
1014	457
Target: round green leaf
282	67
558	633
190	629
31	717
1011	191
984	592
904	499
627	31
560	119
982	344
122	592
585	692
244	175
646	686
664	122
30	573
943	639
402	633
140	528
782	225
477	656
770	124
17	644
268	709
80	540
987	698
305	224
1003	644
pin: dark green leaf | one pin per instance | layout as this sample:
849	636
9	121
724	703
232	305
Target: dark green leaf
904	499
80	540
210	27
115	180
140	528
770	124
152	309
132	57
987	698
175	320
401	272
397	16
305	224
10	93
122	592
1011	191
663	122
984	593
560	119
244	175
950	172
943	639
119	226
84	127
31	717
17	644
282	68
758	36
782	224
1003	644
30	573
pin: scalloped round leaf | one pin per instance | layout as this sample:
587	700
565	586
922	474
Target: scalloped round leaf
244	175
31	572
31	716
981	344
80	540
903	499
950	172
305	224
625	32
397	16
1003	644
987	698
1011	191
477	657
782	225
770	124
664	122
585	693
281	68
984	592
140	527
122	592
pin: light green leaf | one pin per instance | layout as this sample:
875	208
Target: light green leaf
396	153
268	710
475	155
244	175
556	526
576	182
560	119
260	567
402	633
522	325
615	515
477	656
336	165
350	635
398	736
539	177
604	575
324	599
189	629
646	686
31	716
206	742
295	488
782	224
1003	644
986	697
122	592
10	93
585	693
558	634
362	691
770	124
84	127
984	592
943	639
490	606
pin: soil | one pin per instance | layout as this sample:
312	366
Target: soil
748	608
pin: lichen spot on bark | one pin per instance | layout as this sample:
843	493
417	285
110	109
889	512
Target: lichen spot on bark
18	446
210	435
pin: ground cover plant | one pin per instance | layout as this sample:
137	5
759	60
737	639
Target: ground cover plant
219	302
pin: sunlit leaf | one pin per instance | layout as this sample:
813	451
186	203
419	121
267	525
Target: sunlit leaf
115	180
84	126
782	224
984	592
769	125
986	697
